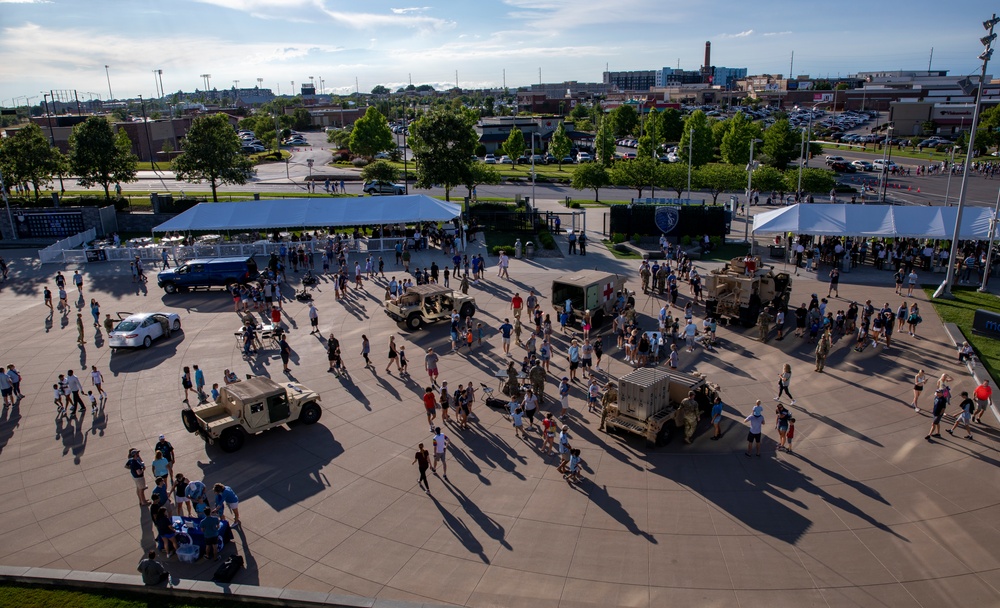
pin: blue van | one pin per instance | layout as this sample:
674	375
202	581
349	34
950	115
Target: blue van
207	273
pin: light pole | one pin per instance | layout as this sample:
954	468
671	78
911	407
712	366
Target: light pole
945	289
750	168
406	171
886	157
52	131
107	73
156	83
989	250
802	156
690	150
528	206
951	164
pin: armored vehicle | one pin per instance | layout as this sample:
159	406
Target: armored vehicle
734	294
249	407
647	400
428	303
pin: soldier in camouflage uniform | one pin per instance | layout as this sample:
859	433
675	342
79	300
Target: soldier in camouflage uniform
822	350
690	413
537	376
661	279
764	323
644	275
609	403
512	388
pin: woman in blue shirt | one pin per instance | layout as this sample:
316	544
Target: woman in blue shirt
574	358
717	418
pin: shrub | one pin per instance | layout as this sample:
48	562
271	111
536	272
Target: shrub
574	205
617	237
716	241
498	248
635	239
546	239
359	162
685	240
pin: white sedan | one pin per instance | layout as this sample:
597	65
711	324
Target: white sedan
140	329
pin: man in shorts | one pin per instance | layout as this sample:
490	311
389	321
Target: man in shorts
314	318
983	393
564	450
517	305
137	469
224	495
940	403
440	445
431	365
505	330
756	420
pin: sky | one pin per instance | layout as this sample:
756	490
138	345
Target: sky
64	45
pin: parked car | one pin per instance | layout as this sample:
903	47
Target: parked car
506	160
583	157
141	329
251	149
567	160
834	159
862	165
378	187
843	167
490	159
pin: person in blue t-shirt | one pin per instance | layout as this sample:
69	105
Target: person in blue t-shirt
717	418
224	495
505	331
210	528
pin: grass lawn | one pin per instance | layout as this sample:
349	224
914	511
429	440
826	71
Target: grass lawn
621	255
39	597
726	252
505	238
960	312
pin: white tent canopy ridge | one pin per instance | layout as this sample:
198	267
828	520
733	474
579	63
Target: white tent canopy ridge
874	220
312	213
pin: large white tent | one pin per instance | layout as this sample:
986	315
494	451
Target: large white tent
312	213
874	220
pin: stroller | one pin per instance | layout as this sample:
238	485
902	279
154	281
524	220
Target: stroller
308	280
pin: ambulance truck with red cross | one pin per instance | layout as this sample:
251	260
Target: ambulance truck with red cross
591	290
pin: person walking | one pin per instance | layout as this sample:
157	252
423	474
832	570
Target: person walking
431	365
199	382
430	407
97	379
78	281
74	387
781	423
14	377
940	403
530	406
137	469
79	329
783	380
285	351
964	417
834	283
822	350
332	346
564	450
393	355
423	461
717	407
914	319
313	318
186	382
918	386
983	393
911	282
95	311
440	444
756	420
366	349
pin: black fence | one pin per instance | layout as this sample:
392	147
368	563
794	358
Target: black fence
505	221
669	220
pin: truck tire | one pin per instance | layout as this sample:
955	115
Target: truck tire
189	419
232	439
310	413
414	322
169	288
468	310
664	436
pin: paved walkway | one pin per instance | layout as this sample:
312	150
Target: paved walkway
865	513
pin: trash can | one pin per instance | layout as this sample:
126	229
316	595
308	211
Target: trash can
845	263
517	249
529	250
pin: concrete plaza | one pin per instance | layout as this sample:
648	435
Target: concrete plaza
865	513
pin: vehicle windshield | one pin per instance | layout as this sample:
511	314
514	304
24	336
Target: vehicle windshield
127	325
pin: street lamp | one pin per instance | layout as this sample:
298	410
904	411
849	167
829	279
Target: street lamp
750	168
945	289
802	156
52	131
690	149
886	158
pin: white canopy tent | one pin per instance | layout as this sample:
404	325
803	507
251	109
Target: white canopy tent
311	213
874	220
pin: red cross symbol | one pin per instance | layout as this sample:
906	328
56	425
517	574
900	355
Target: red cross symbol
608	292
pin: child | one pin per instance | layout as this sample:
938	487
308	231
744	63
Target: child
93	402
862	340
402	362
574	466
790	435
480	332
518	419
338	363
564	398
593	394
549	433
813	330
674	357
469	339
563	320
210	528
58	400
215	392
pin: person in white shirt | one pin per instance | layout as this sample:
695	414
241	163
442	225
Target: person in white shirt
440	445
756	420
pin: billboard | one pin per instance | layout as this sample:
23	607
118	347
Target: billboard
822	96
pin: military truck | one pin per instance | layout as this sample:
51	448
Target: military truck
648	398
249	407
591	290
423	304
733	294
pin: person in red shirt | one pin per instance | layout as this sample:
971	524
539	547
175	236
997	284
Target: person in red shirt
982	394
517	304
430	404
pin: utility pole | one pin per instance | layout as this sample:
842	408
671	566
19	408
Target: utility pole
156	84
145	126
108	74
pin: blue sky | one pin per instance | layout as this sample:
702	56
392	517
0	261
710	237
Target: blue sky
65	44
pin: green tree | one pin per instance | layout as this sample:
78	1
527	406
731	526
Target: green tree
987	135
560	144
674	176
479	174
379	90
645	148
339	137
211	152
604	144
579	112
301	120
703	145
585	125
813	180
381	171
719	178
654	130
443	143
371	134
591	175
781	144
639	173
671	125
99	156
766	179
624	121
735	148
514	146
27	158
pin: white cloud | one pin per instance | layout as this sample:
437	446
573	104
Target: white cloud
776	33
302	10
743	34
417	9
563	15
25	2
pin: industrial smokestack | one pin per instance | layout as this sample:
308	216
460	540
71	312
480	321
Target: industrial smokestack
708	54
